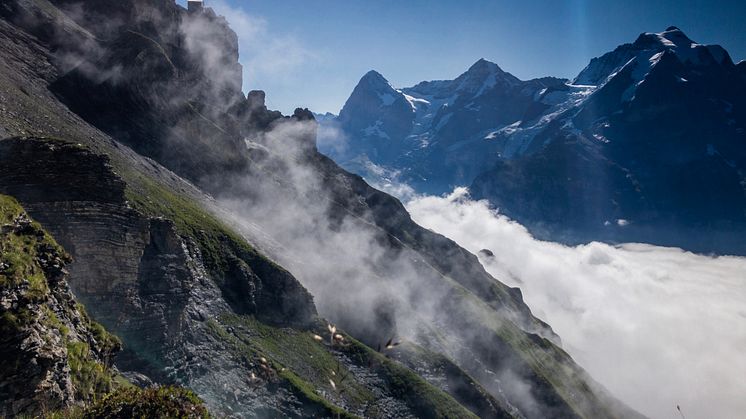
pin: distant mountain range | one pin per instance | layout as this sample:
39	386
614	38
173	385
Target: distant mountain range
226	254
647	143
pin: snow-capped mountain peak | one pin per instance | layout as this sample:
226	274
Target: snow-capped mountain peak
480	78
374	83
374	79
376	110
688	51
483	76
659	108
483	68
646	49
672	37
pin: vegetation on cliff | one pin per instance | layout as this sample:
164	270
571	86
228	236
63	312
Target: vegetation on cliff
329	367
133	402
56	355
203	307
23	244
57	360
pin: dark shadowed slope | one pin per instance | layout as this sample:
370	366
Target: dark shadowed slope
107	109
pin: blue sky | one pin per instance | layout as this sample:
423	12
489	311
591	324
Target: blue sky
312	53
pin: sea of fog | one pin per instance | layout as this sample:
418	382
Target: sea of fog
659	327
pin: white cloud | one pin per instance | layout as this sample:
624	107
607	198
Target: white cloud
264	53
331	138
360	281
659	327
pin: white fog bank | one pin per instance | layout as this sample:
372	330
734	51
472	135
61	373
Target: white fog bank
659	327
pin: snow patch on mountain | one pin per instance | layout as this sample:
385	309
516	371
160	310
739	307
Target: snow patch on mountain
641	68
520	135
415	102
376	131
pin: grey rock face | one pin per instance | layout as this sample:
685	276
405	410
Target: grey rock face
203	309
40	320
377	109
139	275
159	80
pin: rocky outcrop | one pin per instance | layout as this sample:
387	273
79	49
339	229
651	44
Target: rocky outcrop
159	87
135	272
139	274
197	304
172	299
54	357
149	238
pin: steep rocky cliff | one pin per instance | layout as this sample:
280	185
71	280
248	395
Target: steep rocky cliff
57	362
102	124
165	284
133	271
53	355
178	290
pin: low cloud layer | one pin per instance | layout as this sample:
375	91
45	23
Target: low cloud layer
360	281
659	327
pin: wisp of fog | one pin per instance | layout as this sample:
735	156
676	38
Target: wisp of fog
659	327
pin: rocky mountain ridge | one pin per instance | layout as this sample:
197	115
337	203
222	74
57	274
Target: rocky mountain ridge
610	155
428	132
180	216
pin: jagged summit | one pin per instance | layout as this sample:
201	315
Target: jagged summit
377	108
484	75
671	37
373	80
374	90
484	65
688	51
374	76
195	6
648	48
483	69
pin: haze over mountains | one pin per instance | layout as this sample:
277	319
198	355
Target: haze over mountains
645	144
624	312
140	188
227	253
